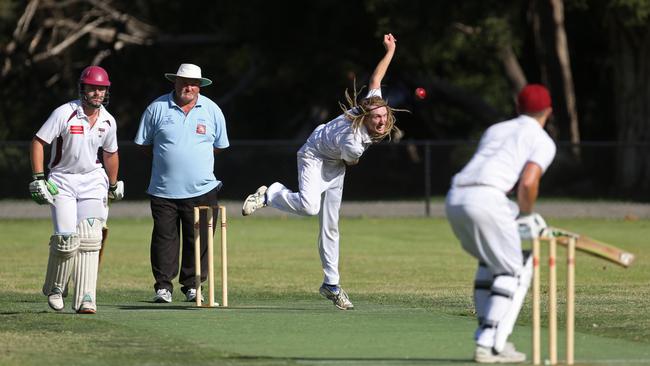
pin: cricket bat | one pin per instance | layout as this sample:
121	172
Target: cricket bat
592	246
104	236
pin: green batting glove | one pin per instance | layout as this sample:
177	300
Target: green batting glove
41	190
52	188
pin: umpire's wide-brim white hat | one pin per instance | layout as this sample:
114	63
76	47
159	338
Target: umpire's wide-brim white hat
189	71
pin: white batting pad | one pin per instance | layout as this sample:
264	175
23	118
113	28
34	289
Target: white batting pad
85	277
499	304
482	285
87	260
90	234
507	323
60	263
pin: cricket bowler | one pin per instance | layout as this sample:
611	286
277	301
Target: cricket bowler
322	162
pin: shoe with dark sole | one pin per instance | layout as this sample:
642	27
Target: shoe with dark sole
87	305
86	310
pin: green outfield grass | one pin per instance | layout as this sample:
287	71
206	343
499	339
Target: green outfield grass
408	278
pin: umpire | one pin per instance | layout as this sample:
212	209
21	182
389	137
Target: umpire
182	131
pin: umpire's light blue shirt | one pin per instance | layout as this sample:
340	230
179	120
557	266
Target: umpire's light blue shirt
183	157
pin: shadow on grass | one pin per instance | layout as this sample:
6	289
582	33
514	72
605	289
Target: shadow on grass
155	306
7	313
45	312
369	360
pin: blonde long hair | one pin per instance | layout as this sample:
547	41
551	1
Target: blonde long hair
358	113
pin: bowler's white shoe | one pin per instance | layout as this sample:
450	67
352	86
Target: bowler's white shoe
163	295
254	201
55	300
508	355
337	296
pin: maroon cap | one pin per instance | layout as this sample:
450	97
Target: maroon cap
533	98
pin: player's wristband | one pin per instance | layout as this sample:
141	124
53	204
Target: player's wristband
37	176
112	187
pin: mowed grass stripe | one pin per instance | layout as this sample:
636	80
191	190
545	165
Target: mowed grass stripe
275	330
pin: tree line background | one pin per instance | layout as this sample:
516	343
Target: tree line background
281	68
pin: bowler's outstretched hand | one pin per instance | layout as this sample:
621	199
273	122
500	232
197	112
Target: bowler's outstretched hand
389	42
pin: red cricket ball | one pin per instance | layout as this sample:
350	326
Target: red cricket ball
420	93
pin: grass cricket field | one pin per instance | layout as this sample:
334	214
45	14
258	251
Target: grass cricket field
410	282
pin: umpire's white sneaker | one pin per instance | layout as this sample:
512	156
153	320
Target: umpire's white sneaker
337	296
55	300
508	355
254	201
163	295
190	295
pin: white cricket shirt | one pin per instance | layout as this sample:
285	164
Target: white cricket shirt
337	140
74	143
503	151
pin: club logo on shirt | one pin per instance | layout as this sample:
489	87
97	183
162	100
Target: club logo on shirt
101	130
200	129
76	130
167	120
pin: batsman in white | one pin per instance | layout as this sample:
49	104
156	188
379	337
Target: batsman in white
322	162
77	188
490	226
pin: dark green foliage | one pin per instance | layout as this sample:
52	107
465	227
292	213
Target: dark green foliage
281	67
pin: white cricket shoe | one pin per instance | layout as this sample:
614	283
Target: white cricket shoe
337	296
508	355
190	295
254	201
510	347
163	295
87	305
55	300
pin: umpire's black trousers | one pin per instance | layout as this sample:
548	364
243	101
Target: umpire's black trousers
171	219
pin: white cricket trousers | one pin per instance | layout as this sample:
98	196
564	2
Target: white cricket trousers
320	192
483	220
81	196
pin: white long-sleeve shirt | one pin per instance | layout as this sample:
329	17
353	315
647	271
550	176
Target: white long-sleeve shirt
338	140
